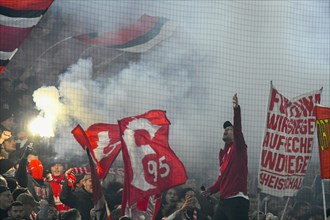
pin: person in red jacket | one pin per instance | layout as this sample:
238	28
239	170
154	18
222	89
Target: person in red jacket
232	180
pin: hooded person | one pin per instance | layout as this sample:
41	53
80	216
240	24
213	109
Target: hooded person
34	180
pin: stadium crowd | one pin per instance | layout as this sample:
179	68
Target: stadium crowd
34	184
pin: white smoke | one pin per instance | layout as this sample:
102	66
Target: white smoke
221	48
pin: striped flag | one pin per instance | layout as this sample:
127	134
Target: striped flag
17	19
139	37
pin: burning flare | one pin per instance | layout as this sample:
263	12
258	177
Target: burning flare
47	101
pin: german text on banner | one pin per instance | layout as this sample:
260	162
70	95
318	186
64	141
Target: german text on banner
151	166
323	134
287	145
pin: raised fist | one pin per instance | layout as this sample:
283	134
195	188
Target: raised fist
4	136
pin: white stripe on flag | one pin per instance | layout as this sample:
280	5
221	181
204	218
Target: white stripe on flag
19	22
7	55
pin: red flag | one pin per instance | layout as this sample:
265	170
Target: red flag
17	19
81	137
323	134
104	141
100	205
151	166
138	37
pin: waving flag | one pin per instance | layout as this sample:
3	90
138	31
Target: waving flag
103	143
288	142
323	134
17	19
100	206
139	37
151	166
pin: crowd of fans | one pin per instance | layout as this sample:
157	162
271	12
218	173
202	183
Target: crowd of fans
35	185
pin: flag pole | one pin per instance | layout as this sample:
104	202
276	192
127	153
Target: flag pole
109	61
258	204
54	45
285	207
48	49
324	204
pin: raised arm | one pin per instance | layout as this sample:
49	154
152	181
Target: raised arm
21	173
238	134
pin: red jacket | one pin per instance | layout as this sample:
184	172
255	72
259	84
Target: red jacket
233	164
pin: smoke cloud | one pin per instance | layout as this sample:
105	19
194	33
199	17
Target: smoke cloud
220	48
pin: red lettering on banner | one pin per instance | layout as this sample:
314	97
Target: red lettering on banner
268	160
279	183
278	99
303	107
281	123
291	167
278	162
275	121
293	183
273	140
290	144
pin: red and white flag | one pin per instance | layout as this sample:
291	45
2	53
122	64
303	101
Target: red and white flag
104	140
100	206
17	19
288	142
323	134
151	166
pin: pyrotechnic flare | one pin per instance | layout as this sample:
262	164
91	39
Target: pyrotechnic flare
47	101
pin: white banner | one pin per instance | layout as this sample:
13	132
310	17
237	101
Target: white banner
286	148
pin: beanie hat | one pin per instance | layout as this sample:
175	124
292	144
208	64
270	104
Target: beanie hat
5	165
19	191
5	114
12	183
4	189
227	124
27	199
